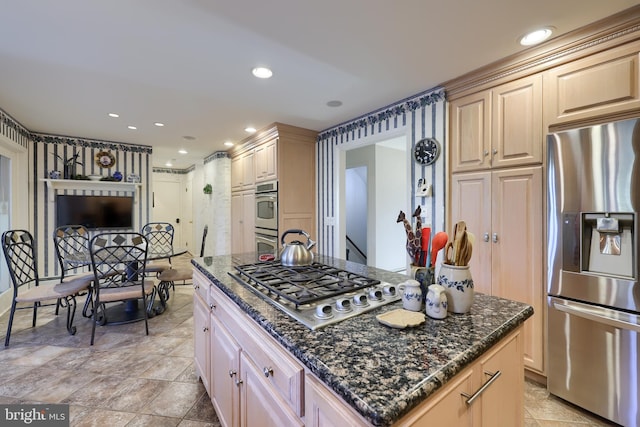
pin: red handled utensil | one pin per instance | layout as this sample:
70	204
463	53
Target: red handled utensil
439	240
425	240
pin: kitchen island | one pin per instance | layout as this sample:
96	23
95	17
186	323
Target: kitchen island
357	368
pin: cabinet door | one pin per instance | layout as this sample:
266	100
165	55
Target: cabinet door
201	339
249	221
604	83
237	222
471	132
516	118
324	409
266	161
248	171
502	402
225	371
260	403
471	202
516	255
236	173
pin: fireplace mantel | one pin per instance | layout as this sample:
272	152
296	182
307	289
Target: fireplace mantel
78	184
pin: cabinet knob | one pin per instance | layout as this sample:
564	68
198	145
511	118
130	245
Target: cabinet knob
495	151
205	329
486	153
212	306
267	371
494	237
485	237
196	286
232	373
238	382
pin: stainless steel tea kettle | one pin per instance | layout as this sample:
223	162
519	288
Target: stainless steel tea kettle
296	253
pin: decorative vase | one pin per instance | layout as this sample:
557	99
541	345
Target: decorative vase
458	285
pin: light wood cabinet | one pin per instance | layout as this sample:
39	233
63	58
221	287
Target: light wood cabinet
243	172
243	223
266	160
281	152
201	329
601	84
498	128
253	381
490	392
503	209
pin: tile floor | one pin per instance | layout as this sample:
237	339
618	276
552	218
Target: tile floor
130	379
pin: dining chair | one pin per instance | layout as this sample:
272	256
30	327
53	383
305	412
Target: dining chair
71	243
20	254
160	235
119	260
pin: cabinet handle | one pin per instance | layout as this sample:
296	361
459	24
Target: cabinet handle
485	237
494	237
238	382
267	371
475	395
495	151
205	329
212	306
232	373
196	286
486	153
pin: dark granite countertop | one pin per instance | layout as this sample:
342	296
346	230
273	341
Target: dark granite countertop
381	372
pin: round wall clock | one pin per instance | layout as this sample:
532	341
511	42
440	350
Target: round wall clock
426	151
105	159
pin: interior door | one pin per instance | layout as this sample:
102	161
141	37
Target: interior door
165	208
187	214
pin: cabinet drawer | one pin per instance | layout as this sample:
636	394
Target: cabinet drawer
279	368
201	286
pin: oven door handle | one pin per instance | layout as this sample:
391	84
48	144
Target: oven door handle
599	314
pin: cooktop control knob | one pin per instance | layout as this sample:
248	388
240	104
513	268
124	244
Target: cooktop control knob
375	295
360	300
343	305
389	290
323	311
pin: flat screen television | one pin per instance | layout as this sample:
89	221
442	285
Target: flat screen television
94	212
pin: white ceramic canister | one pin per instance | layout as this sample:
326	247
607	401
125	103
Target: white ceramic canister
458	285
436	302
411	295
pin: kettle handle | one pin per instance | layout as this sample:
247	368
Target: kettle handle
310	242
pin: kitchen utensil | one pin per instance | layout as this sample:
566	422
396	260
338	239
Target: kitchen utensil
439	241
425	240
296	253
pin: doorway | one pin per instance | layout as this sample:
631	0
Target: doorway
166	206
374	186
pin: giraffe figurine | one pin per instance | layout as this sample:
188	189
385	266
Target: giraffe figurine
414	243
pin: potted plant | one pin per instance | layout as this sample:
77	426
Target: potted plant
207	189
70	165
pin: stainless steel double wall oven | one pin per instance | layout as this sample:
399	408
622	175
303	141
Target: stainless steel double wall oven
592	256
267	218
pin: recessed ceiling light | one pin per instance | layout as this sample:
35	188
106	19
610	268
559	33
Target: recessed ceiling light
537	36
114	115
229	144
132	127
159	124
262	72
168	164
334	103
249	129
182	151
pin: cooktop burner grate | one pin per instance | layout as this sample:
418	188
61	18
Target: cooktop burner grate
303	285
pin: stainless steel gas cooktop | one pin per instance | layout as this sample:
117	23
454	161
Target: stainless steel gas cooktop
315	295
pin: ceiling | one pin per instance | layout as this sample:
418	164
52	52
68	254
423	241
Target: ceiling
66	64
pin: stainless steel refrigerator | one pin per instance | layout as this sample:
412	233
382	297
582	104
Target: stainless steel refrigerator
592	257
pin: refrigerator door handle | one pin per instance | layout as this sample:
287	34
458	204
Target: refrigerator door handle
598	314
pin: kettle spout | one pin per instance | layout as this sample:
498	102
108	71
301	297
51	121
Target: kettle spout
310	243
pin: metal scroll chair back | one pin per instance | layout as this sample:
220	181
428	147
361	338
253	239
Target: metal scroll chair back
204	240
159	235
71	243
20	254
118	261
72	249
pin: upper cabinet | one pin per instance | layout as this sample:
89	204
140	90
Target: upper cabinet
501	127
243	172
601	84
266	161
